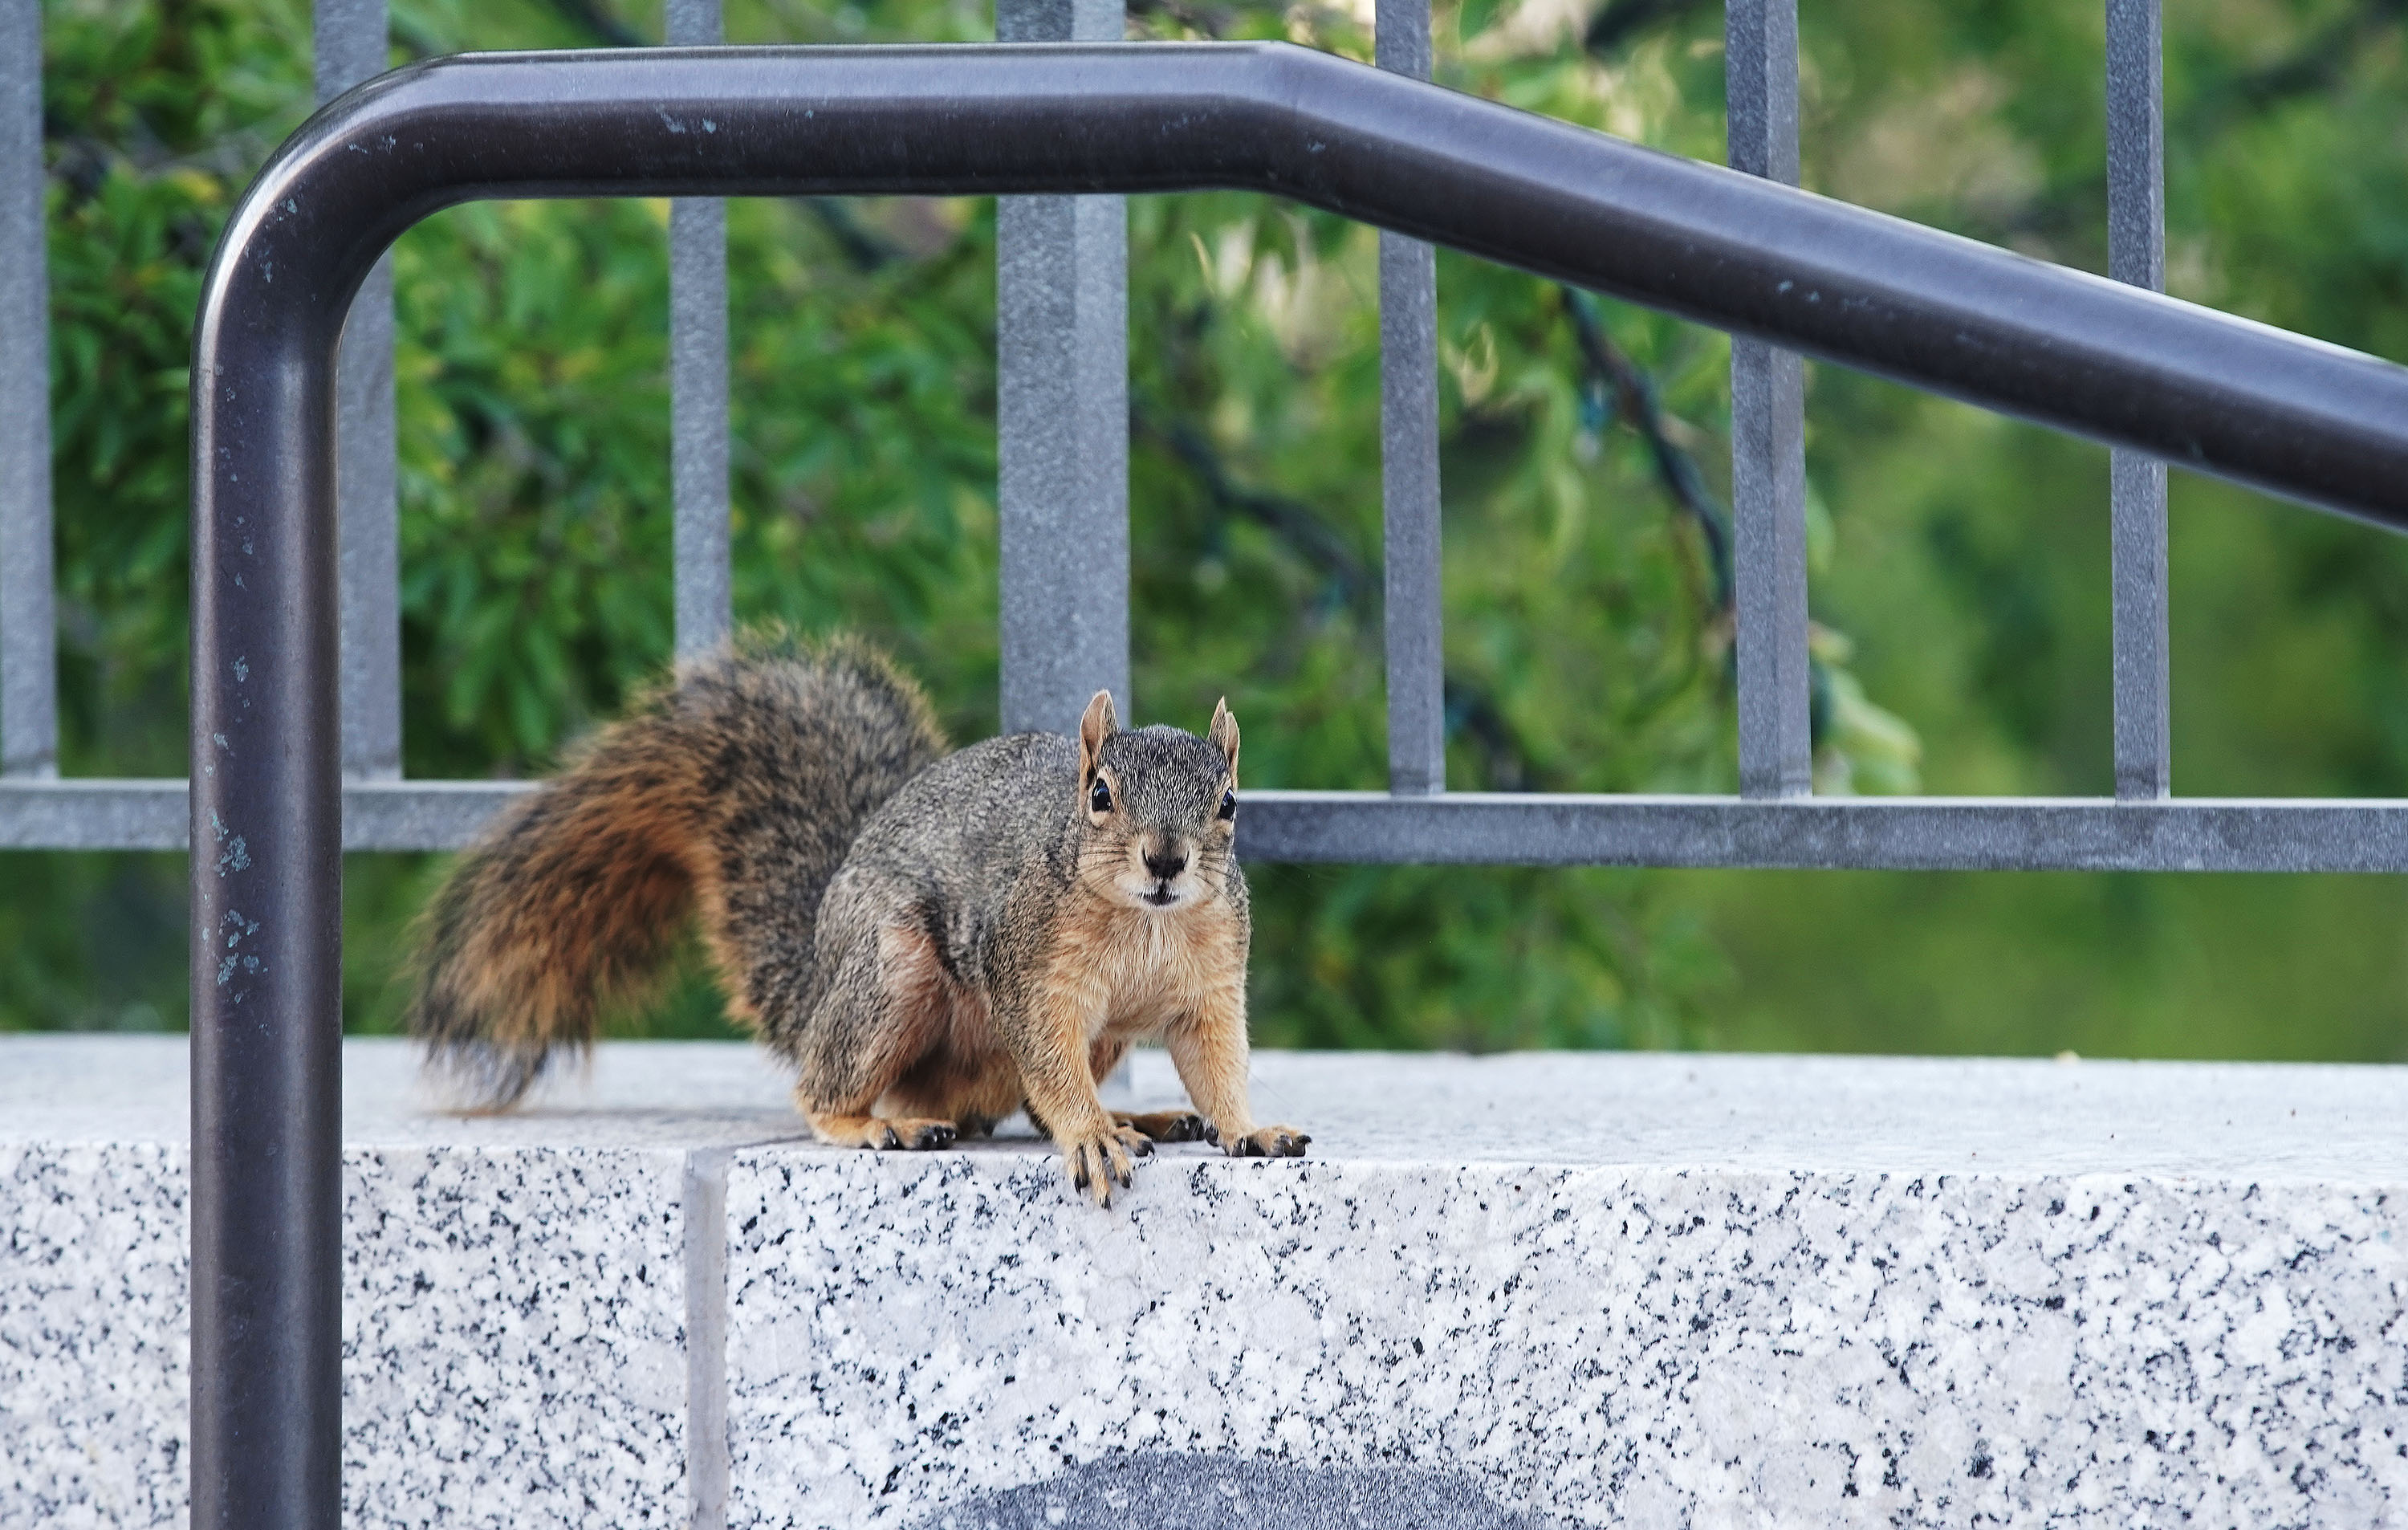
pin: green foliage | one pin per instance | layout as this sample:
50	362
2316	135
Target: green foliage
1959	562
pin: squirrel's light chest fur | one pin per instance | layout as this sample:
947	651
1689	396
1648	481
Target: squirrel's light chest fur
932	940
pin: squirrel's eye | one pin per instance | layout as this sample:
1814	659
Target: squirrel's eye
1100	799
1228	805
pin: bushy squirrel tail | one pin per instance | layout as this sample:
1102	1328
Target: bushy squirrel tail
573	900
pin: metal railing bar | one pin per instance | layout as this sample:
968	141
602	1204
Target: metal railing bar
2136	254
1916	834
107	814
699	428
1409	462
1906	833
1767	435
267	807
349	41
29	667
1062	423
2222	395
93	813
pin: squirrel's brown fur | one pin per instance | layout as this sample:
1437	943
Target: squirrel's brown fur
932	940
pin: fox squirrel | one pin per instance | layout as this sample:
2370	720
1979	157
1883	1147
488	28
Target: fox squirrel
932	940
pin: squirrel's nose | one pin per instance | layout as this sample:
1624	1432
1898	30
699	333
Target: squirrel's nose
1165	865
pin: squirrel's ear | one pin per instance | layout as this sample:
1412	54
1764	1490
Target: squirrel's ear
1099	723
1224	735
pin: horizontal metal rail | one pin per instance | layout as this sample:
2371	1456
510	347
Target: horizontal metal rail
1899	834
1766	260
1481	828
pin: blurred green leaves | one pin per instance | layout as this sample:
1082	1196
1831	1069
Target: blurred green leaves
1960	560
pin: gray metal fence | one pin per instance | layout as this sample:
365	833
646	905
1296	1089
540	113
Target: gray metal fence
1063	405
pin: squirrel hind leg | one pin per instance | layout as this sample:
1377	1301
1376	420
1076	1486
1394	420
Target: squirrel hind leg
910	1134
964	1098
1164	1125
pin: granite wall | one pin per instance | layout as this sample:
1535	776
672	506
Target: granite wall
1514	1292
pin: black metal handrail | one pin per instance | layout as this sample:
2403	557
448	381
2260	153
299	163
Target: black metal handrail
2121	366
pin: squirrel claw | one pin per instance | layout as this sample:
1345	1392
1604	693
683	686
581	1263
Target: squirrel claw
1091	1172
1099	1163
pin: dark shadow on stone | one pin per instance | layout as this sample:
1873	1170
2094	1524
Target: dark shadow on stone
1164	1491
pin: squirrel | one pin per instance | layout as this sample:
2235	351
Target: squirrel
930	939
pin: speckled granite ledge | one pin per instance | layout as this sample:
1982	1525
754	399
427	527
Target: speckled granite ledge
516	1306
1517	1292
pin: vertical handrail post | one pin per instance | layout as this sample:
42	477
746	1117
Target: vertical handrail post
1768	437
349	40
2136	254
698	430
1409	463
1062	423
29	669
266	907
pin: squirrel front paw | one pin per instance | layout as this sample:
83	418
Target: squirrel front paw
1264	1142
1102	1157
